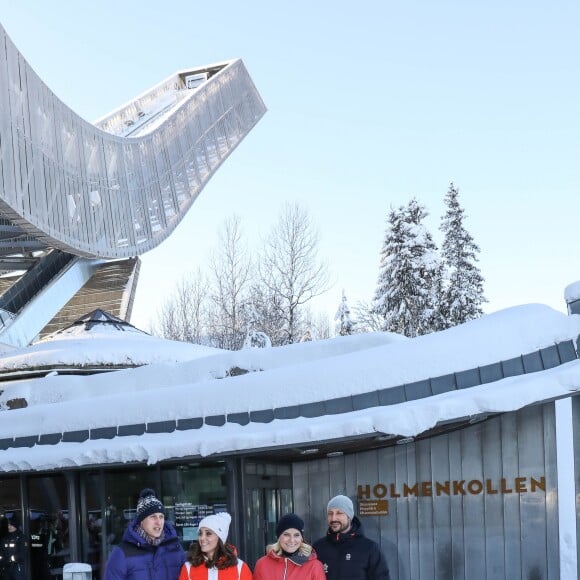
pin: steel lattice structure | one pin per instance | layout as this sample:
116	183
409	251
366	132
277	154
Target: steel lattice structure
79	202
116	188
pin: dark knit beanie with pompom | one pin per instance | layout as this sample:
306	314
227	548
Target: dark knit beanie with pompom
148	504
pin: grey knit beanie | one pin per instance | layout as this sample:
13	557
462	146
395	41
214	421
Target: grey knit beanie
342	503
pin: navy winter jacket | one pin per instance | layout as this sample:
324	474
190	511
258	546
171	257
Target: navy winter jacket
135	559
351	556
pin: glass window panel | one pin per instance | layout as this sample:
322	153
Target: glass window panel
254	520
48	501
92	522
122	488
190	492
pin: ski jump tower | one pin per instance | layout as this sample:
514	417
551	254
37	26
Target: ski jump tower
80	202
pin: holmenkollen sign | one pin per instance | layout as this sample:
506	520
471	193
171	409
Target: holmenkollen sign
372	497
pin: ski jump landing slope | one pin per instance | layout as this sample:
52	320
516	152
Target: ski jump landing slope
116	188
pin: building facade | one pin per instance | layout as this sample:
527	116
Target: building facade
459	448
477	502
484	487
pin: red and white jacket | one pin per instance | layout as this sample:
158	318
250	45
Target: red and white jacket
201	572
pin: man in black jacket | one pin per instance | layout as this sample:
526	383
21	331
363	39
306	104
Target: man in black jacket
344	552
13	546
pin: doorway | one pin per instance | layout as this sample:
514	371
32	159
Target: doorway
268	496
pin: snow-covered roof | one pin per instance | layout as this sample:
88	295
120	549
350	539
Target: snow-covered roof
346	387
572	292
97	341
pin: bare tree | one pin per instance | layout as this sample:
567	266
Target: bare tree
315	324
231	276
183	315
290	269
367	320
236	298
265	307
322	325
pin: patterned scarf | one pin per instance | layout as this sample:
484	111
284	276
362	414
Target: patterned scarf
150	539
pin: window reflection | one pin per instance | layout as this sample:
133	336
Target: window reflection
13	548
122	488
92	522
190	492
107	500
49	523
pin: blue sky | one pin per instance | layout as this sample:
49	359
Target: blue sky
369	103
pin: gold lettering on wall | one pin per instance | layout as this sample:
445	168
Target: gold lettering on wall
475	487
364	492
489	489
380	490
460	487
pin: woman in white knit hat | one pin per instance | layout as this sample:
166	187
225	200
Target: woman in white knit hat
211	558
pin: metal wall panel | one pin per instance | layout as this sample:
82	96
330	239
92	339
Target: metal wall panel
533	512
512	515
475	503
551	471
493	509
576	435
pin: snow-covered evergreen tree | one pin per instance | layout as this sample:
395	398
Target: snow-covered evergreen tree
254	338
463	294
257	339
308	335
344	324
386	293
410	274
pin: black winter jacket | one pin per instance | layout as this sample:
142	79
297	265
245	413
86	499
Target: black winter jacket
351	556
12	555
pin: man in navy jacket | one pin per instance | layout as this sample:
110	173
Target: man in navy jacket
345	552
150	549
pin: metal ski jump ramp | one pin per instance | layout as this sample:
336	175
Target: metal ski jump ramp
80	202
119	187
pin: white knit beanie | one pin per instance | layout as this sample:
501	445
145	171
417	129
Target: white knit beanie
218	523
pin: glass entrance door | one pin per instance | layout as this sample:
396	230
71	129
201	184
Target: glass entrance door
268	495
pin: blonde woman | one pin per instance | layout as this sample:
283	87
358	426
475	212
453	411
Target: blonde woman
290	558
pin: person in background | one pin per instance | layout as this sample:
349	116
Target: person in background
13	546
150	548
345	552
210	557
290	558
40	569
